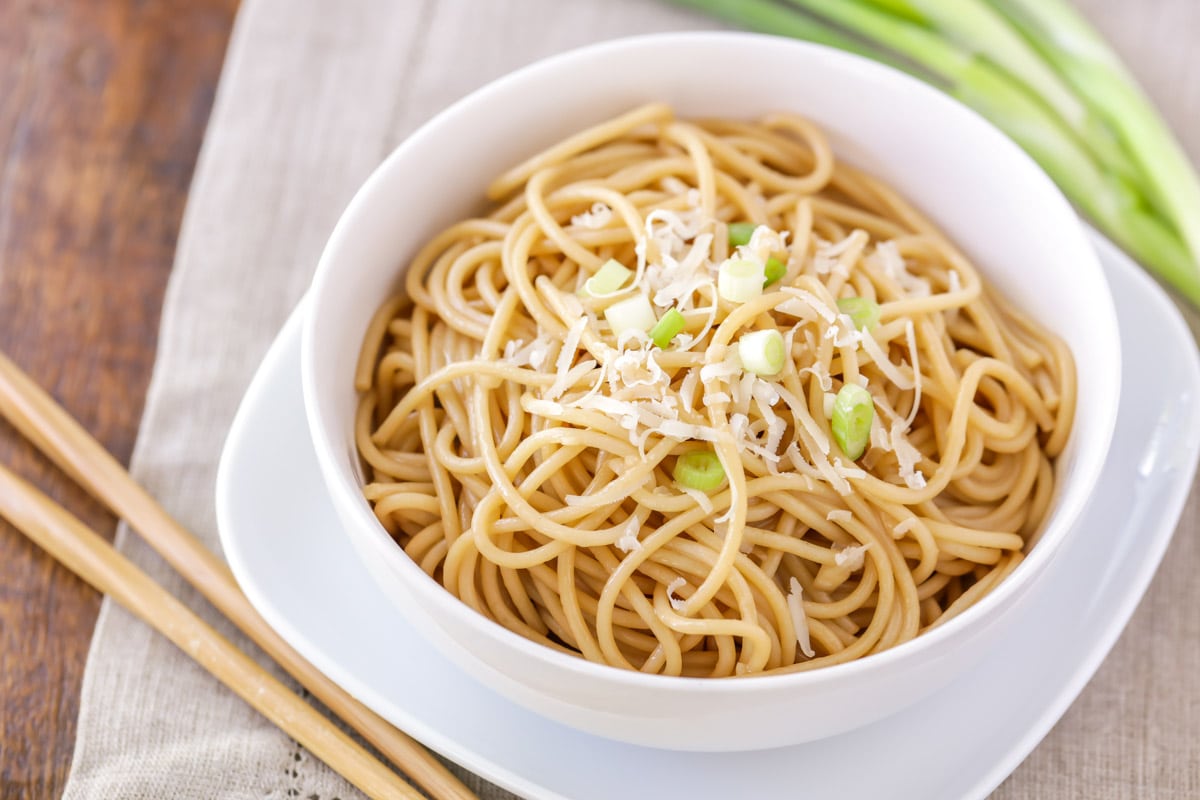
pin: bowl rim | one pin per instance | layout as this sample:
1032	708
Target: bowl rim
1067	505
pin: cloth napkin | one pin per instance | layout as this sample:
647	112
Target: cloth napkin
313	96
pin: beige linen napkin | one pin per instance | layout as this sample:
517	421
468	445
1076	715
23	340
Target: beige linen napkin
313	96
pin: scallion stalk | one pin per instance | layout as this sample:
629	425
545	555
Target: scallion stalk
981	30
1080	54
768	16
1039	72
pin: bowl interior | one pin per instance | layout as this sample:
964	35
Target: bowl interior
991	200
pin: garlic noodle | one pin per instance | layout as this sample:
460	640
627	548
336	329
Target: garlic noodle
697	399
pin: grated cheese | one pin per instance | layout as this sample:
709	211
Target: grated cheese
821	373
566	356
629	538
796	307
822	309
702	499
887	255
597	217
908	457
687	389
542	408
677	603
839	515
799	619
532	354
910	336
879	434
713	398
722	370
889	369
955	282
765	393
850	557
843	333
827	257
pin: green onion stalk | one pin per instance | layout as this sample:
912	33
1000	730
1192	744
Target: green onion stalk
1043	76
1093	70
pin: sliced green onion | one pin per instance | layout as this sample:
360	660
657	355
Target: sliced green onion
667	328
740	233
608	279
774	270
699	469
853	410
740	279
762	352
632	313
863	311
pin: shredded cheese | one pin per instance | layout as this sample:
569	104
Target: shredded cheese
907	456
597	217
677	603
795	606
821	373
850	557
629	538
887	255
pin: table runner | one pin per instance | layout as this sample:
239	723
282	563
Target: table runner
313	96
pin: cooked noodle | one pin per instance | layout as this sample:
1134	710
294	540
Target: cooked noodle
523	456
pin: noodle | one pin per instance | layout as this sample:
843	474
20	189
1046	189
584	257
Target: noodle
523	455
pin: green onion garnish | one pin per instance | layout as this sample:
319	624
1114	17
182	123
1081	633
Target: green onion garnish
667	328
740	279
607	280
740	233
774	270
762	352
632	313
699	469
853	410
863	311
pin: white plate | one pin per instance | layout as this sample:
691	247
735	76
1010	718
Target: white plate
283	542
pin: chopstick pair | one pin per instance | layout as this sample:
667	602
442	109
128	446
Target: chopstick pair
57	435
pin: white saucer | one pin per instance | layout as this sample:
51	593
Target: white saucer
283	542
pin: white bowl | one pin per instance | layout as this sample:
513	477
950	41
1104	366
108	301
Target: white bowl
984	192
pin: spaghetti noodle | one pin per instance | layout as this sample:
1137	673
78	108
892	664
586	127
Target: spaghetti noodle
631	468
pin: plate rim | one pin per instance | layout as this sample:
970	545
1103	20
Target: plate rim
1016	752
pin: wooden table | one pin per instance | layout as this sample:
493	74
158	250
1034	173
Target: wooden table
102	111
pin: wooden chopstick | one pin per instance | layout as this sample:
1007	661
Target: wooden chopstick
86	554
56	434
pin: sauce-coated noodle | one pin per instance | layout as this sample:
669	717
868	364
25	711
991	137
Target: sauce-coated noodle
524	456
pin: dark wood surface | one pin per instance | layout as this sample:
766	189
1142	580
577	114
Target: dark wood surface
103	105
